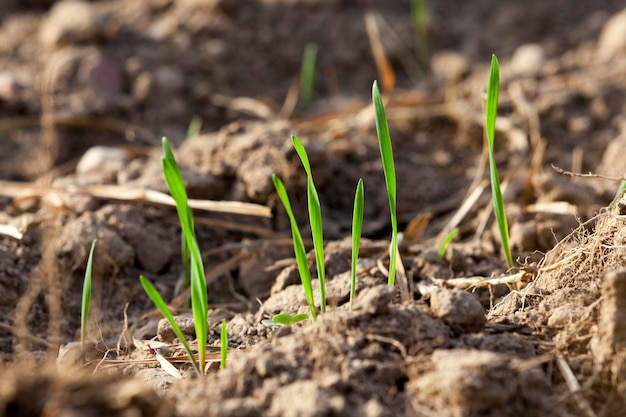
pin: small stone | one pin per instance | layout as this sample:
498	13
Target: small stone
613	37
96	157
70	22
9	86
104	77
458	309
165	332
450	65
528	59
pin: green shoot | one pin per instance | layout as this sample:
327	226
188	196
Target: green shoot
420	22
285	319
357	225
86	302
194	127
307	73
446	242
386	153
162	306
620	193
223	345
298	245
315	218
490	124
199	302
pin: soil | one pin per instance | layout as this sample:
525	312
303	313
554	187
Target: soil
88	88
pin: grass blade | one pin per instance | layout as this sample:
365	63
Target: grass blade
86	301
307	73
315	218
223	345
357	225
386	153
491	110
199	301
446	242
194	128
162	306
298	245
420	23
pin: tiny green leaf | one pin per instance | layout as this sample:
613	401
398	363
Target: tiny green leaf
307	73
288	319
357	225
86	300
446	242
223	344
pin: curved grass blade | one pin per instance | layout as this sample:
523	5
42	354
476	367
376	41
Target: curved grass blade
298	245
160	304
491	110
386	153
86	301
446	242
223	345
315	218
357	226
199	301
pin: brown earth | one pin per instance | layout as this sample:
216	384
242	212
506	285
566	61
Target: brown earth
86	90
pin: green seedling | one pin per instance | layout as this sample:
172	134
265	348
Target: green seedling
357	225
199	302
285	319
491	110
620	193
307	73
386	153
315	218
446	242
162	306
194	127
298	245
420	23
223	345
86	301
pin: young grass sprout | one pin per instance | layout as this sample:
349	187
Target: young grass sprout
315	218
86	301
357	226
199	302
420	23
446	242
491	109
284	319
223	345
386	153
298	246
307	73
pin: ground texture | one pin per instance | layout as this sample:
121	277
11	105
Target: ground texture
87	89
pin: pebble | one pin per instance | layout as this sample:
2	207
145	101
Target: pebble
528	59
9	86
104	77
612	40
448	64
69	22
458	309
98	156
